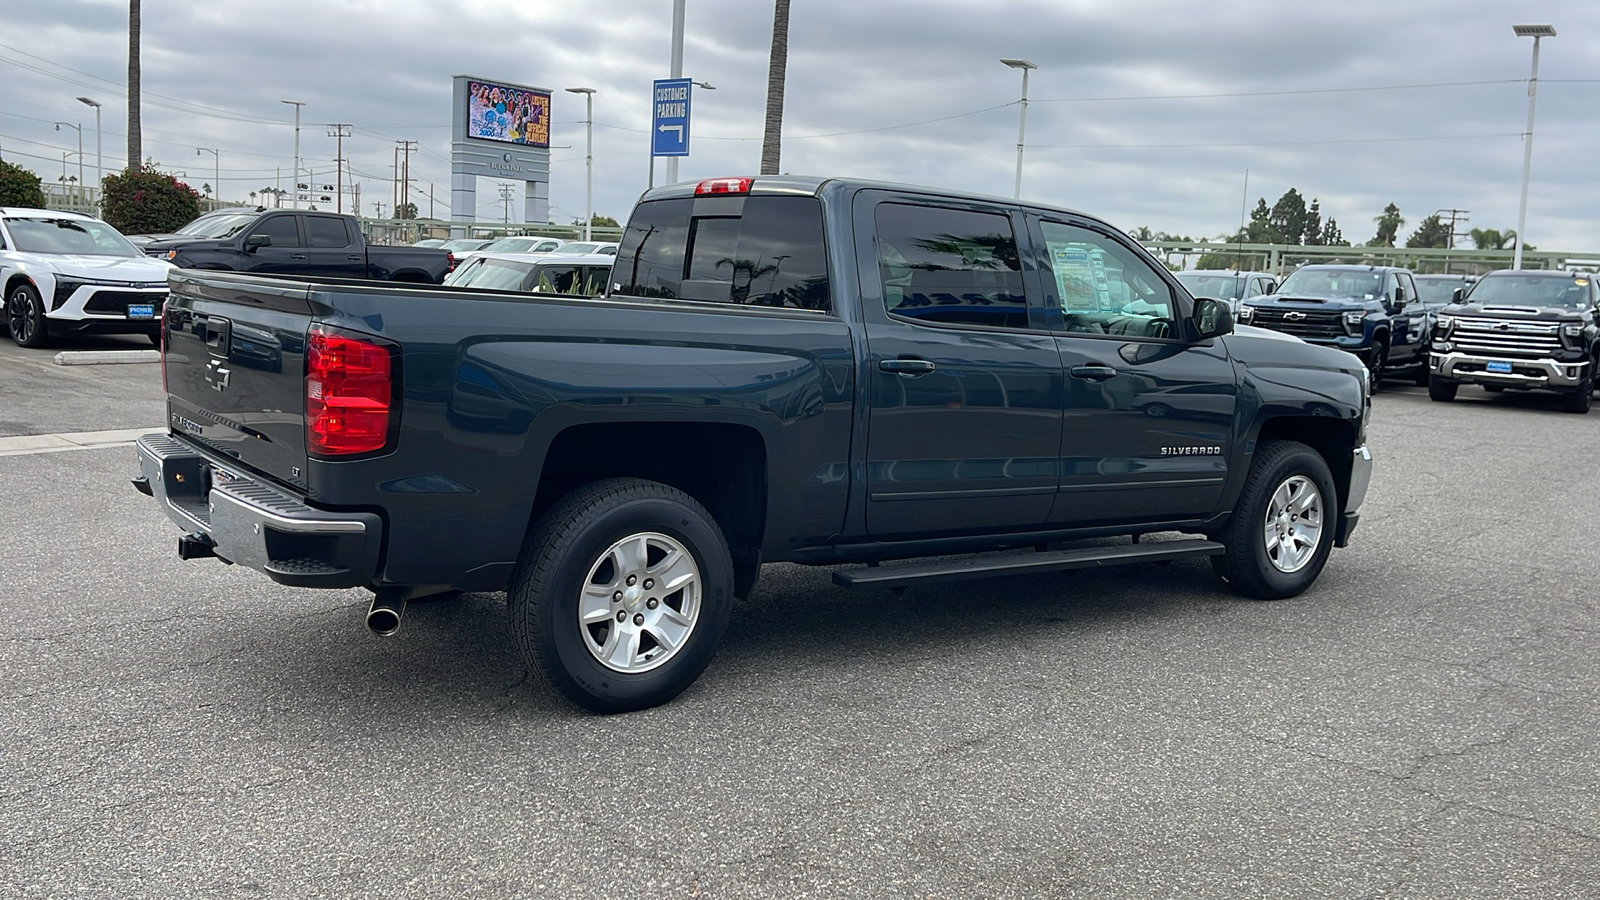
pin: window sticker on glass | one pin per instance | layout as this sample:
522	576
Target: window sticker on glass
1080	277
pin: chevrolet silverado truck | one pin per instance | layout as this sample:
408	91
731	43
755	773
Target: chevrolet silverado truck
296	242
1523	330
822	371
1370	311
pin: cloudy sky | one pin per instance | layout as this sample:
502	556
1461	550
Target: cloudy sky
1146	113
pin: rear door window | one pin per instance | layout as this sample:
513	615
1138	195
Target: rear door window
751	251
952	266
326	231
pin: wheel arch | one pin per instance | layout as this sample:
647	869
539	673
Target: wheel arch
1333	439
722	466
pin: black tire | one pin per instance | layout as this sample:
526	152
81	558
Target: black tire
573	543
154	336
1494	388
1422	376
25	316
1442	389
1377	358
1579	400
1247	565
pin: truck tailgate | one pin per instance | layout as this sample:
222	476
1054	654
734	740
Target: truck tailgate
234	362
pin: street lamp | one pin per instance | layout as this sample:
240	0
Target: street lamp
216	186
588	157
1536	32
99	159
79	129
295	181
1022	125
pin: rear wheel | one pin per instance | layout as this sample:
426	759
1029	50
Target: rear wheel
25	316
1442	389
622	593
1281	531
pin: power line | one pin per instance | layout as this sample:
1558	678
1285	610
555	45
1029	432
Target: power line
1290	93
1444	137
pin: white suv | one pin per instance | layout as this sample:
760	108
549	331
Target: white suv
66	273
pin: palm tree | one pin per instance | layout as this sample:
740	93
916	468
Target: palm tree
135	149
772	140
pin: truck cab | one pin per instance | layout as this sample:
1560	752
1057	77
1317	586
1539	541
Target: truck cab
1370	311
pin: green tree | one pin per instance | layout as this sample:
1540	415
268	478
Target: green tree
146	201
599	221
777	68
1312	234
1431	232
1288	217
1331	235
405	211
1493	239
19	187
1388	226
1260	229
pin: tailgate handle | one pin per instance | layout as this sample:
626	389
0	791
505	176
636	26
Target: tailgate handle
217	330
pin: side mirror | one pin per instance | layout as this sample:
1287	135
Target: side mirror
1212	318
256	241
1399	299
1457	295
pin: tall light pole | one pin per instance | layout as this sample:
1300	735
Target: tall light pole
1536	32
588	157
216	186
99	158
79	129
677	72
295	181
1022	125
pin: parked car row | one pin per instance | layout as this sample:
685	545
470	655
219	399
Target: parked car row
1511	329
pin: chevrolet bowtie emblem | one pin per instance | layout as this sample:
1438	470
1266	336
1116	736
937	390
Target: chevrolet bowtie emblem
217	375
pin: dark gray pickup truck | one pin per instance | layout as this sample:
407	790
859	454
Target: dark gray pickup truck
294	242
821	371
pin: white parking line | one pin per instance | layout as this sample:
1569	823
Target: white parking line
27	444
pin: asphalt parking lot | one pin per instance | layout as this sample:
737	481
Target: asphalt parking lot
1423	723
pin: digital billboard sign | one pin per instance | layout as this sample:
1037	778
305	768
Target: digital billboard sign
508	114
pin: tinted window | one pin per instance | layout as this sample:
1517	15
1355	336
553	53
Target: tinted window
950	265
281	229
1571	291
495	274
756	251
1333	283
1103	287
326	231
1217	285
1438	290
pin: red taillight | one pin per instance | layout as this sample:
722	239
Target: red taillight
349	388
450	262
723	186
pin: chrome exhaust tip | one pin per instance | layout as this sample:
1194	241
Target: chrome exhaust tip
388	607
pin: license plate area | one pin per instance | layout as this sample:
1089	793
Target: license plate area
141	310
1498	367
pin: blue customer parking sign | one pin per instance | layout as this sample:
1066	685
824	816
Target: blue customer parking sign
669	123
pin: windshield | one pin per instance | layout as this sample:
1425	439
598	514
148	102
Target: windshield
217	226
80	237
494	274
1216	285
465	244
1332	283
1569	291
514	245
1440	290
580	247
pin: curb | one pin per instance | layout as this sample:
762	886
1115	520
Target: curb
106	357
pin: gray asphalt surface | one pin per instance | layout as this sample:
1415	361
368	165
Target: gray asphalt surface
1423	723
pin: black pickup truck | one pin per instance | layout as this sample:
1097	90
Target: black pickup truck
821	371
293	242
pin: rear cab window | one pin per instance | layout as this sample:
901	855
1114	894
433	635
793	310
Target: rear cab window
743	250
952	266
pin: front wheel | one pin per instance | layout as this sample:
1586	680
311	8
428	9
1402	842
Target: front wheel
25	316
622	593
1377	358
1579	400
1281	531
1442	390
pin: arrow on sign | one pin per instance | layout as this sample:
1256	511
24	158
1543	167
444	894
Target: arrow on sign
677	128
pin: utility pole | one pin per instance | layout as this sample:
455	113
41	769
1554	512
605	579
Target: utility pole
405	172
377	206
1456	215
506	193
294	181
339	131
